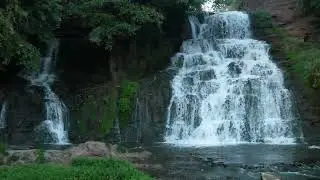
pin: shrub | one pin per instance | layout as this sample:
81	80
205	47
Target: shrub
128	91
83	168
261	22
2	149
40	155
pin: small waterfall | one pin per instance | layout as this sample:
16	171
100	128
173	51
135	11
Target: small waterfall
227	90
194	24
56	110
3	115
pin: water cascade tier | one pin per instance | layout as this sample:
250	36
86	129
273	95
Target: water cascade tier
56	111
3	115
227	90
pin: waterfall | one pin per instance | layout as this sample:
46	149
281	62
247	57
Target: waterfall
56	110
194	24
3	115
227	90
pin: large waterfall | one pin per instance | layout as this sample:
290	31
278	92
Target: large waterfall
56	110
227	90
3	115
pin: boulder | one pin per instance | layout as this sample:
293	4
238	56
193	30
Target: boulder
269	176
90	148
21	156
87	149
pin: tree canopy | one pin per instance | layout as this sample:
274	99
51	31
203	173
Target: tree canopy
26	26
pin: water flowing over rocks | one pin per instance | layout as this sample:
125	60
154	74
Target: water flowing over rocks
53	129
227	89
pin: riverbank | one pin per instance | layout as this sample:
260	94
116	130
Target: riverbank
81	168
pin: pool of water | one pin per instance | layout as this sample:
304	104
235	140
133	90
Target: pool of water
245	161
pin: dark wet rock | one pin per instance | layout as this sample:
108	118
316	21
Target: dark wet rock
207	75
194	61
150	112
188	81
260	70
234	69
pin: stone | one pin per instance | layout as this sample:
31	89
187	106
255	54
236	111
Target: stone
207	75
87	149
90	148
269	176
57	156
234	69
21	156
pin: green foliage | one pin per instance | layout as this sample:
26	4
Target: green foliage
14	49
40	155
25	25
97	113
109	113
112	20
2	148
127	93
236	4
261	21
226	2
310	6
305	59
79	169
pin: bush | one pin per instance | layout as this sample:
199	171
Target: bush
303	57
83	168
40	155
261	22
305	60
127	94
2	149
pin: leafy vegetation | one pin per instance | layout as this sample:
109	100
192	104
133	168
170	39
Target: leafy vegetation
2	148
311	6
261	22
40	155
111	20
127	93
28	26
95	114
303	57
83	168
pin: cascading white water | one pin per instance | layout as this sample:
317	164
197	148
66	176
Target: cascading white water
56	110
3	115
227	90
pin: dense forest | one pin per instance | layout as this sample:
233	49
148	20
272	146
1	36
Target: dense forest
27	27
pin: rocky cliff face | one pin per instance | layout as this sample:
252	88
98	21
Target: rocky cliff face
285	13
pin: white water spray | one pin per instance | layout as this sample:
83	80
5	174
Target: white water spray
3	115
227	90
56	110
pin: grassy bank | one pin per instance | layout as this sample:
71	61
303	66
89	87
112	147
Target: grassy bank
83	168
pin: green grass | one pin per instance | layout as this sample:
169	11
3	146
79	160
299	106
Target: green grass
80	169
